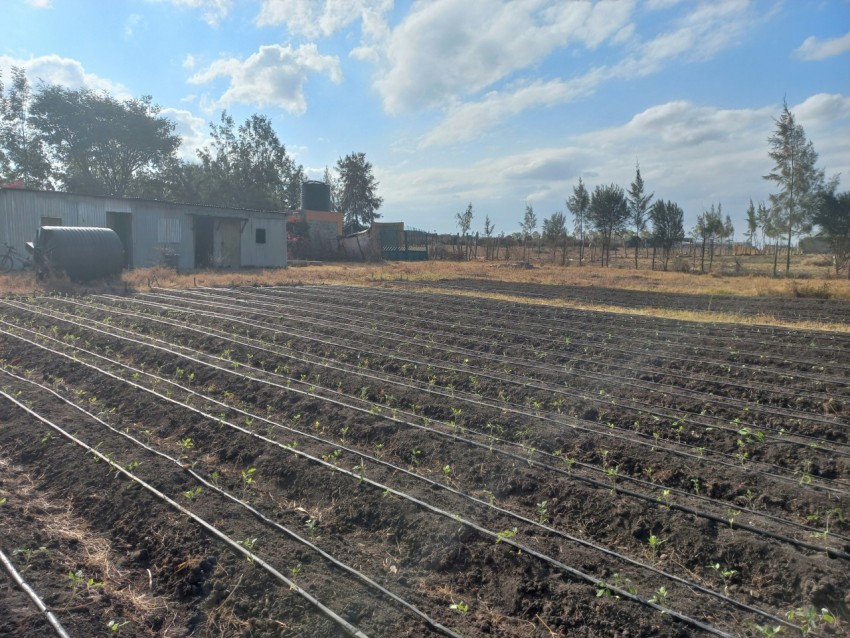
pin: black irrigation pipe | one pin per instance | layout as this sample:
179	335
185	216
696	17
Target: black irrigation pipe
587	467
431	483
500	406
576	573
713	422
709	330
34	597
472	399
630	493
510	319
344	624
554	369
265	519
652	349
610	299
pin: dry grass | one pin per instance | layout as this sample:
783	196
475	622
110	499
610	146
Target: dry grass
814	281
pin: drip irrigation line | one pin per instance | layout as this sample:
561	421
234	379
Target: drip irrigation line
502	330
630	493
511	319
387	378
350	629
431	483
34	597
588	480
548	386
265	519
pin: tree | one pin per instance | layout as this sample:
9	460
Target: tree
100	145
22	154
668	229
489	228
528	224
752	223
709	227
248	167
728	229
554	230
464	222
579	203
608	214
328	179
796	176
638	207
833	216
358	198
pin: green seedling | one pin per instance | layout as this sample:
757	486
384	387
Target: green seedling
460	607
542	512
810	618
115	626
186	444
248	476
505	534
415	453
725	574
447	470
311	525
766	630
654	544
45	438
248	543
193	493
660	596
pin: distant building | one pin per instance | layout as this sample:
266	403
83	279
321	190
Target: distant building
186	236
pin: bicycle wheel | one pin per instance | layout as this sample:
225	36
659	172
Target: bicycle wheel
5	263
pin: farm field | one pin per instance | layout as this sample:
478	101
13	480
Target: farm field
370	461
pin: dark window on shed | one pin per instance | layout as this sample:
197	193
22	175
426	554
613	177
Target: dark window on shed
261	235
51	221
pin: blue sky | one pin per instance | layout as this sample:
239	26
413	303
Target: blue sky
498	103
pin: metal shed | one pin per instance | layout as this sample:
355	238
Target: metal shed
188	236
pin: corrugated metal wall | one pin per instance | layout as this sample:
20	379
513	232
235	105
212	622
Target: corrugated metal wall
159	232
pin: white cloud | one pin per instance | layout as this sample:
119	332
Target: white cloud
54	69
192	129
189	61
693	36
324	18
214	11
40	4
274	76
448	49
816	49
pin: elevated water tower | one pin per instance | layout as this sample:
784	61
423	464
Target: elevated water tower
315	195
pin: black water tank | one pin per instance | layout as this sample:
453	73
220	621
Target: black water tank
315	196
82	253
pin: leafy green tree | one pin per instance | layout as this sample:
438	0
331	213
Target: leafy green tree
794	172
668	229
22	154
708	228
489	228
608	214
358	198
247	167
528	224
579	203
555	230
833	217
100	145
638	207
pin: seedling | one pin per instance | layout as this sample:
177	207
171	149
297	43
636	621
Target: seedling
45	438
505	534
215	477
460	607
810	618
725	574
766	630
186	444
248	476
311	525
194	492
659	596
447	470
654	544
542	512
115	626
415	453
248	543
294	571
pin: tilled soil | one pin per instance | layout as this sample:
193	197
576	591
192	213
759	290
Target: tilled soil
317	461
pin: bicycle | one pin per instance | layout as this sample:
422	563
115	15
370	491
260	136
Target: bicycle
7	261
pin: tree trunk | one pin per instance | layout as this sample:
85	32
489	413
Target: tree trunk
775	257
788	258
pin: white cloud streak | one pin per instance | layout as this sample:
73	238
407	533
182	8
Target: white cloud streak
814	49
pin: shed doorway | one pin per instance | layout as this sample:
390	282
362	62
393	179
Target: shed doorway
204	244
230	234
122	224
